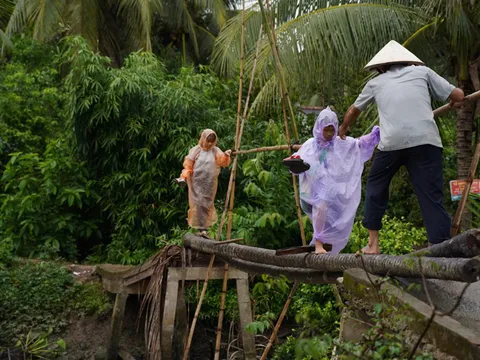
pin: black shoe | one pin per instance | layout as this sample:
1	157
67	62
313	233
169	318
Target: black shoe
296	165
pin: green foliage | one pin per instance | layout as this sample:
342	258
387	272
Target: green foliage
267	216
37	297
31	99
269	294
397	237
133	126
46	204
37	346
315	310
91	299
263	322
211	301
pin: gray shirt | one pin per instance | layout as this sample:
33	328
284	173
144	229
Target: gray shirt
403	96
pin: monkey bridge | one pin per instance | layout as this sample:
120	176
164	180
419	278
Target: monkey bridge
165	275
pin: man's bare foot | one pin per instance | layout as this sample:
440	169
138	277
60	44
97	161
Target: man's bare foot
369	250
319	248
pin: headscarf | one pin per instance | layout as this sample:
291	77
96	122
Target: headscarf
203	138
325	118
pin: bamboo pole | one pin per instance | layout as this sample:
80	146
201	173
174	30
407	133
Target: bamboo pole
267	148
232	198
443	109
230	190
270	28
283	84
466	191
279	322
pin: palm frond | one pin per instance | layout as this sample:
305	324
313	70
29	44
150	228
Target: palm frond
6	9
461	23
320	47
19	18
216	8
85	17
45	16
138	17
5	40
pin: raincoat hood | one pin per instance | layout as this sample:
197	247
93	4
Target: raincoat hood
204	136
325	118
393	53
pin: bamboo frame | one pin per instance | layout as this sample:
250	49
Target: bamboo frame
230	192
279	321
285	101
232	201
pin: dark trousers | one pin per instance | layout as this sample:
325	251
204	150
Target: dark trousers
424	165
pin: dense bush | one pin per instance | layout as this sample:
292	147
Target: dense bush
31	99
47	204
41	296
133	127
397	237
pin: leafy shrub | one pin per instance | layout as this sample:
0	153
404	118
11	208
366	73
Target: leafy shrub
41	296
397	237
45	204
31	99
211	301
315	310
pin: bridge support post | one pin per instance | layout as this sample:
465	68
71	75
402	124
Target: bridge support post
245	313
116	327
174	327
169	313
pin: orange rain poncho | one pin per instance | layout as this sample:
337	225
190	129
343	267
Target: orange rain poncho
201	168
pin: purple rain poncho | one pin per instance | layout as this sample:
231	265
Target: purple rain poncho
330	190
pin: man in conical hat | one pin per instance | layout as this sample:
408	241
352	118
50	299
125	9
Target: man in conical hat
408	136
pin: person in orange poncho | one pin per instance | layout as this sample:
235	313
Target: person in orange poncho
201	168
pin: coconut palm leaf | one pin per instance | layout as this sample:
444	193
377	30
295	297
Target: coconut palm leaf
138	19
85	17
323	46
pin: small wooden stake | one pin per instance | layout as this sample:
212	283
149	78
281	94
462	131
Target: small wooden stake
466	191
279	322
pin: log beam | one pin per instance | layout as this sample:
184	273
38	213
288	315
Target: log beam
467	270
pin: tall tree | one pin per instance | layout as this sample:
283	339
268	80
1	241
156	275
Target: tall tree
115	28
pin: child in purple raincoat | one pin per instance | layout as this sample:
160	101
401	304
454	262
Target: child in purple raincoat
330	189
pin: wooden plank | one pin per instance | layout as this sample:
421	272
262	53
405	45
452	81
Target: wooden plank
116	326
300	249
199	273
169	313
294	250
245	314
228	241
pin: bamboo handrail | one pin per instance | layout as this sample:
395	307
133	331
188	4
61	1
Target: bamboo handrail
443	109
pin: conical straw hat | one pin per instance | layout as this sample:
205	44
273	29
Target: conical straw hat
393	53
